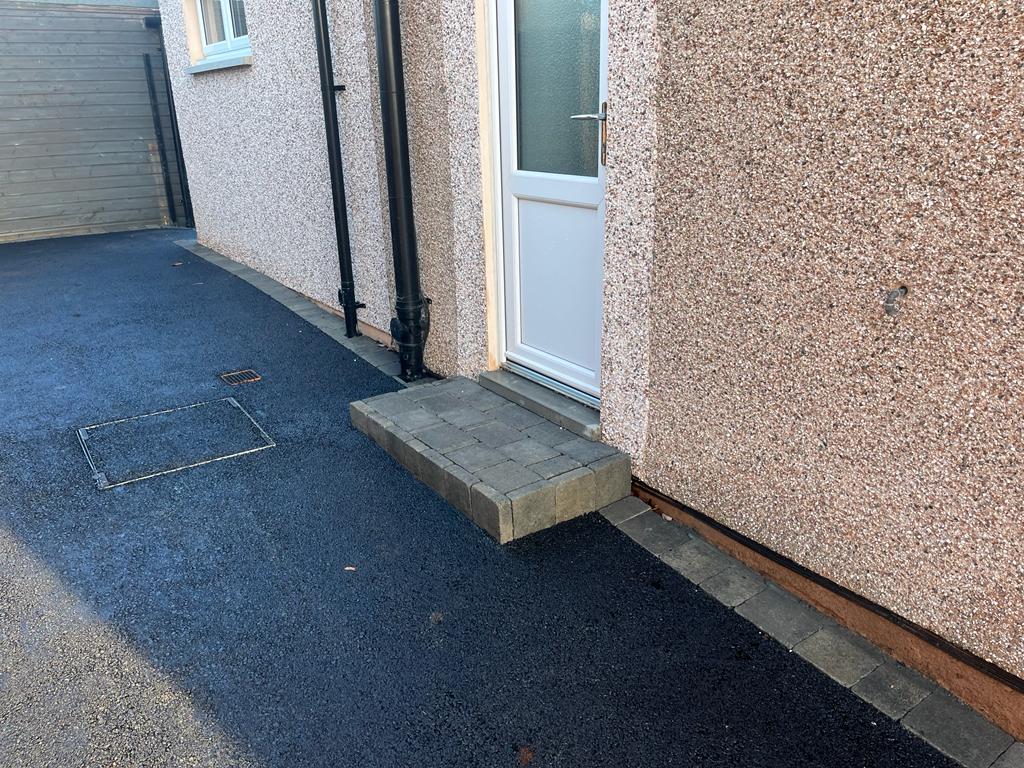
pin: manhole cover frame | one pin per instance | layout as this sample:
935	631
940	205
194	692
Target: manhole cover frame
101	479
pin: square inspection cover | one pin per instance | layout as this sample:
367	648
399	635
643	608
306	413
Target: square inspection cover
138	448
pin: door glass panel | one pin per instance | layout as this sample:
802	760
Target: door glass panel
558	62
213	21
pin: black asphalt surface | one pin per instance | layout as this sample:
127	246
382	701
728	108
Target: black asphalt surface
312	604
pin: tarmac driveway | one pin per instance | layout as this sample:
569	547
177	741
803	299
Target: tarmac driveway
310	604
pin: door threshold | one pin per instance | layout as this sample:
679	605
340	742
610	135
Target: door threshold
568	413
550	383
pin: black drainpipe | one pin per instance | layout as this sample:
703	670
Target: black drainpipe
347	292
158	129
412	324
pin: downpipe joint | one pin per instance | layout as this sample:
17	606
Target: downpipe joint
410	330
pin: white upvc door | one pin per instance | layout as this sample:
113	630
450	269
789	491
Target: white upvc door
552	73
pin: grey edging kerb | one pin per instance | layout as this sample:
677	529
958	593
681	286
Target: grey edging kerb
376	354
919	704
220	62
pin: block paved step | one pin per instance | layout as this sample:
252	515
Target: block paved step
559	409
510	470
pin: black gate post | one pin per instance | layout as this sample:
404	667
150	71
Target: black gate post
158	128
179	153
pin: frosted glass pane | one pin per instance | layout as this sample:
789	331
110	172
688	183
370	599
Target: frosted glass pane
558	61
238	18
213	21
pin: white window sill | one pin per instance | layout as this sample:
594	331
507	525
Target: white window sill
224	61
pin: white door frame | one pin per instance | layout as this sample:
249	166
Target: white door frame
494	202
490	145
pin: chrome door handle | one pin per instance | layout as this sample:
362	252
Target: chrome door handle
601	117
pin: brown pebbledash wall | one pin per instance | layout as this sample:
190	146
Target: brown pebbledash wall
808	159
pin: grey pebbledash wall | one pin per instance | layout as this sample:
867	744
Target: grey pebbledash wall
260	184
254	142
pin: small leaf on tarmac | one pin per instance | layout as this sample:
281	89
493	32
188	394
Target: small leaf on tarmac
177	264
526	755
436	617
350	568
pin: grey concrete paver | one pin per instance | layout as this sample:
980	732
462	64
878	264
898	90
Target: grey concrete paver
574	494
585	451
894	689
515	416
624	509
612	479
440	402
508	476
464	416
483	400
559	465
496	434
549	434
1012	757
734	585
654	533
476	457
840	654
957	730
696	559
390	405
444	438
528	451
492	511
533	508
782	616
415	419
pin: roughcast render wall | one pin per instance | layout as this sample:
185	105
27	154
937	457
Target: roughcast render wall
255	150
790	165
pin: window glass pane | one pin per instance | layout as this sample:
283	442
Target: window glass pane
213	21
558	61
238	18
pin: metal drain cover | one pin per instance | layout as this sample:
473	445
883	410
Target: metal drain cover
240	377
138	448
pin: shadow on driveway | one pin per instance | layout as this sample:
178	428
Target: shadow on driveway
312	604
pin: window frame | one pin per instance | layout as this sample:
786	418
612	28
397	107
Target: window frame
231	44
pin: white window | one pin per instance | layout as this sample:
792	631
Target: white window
222	26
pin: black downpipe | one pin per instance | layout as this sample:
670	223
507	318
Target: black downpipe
158	129
347	292
179	153
154	22
410	327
